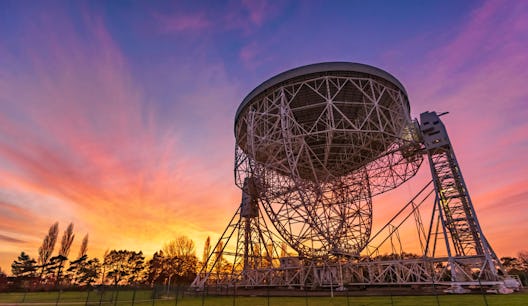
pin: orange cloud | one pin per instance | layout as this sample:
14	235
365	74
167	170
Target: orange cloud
79	136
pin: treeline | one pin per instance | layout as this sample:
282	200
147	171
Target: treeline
175	263
517	266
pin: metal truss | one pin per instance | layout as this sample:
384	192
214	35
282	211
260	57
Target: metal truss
470	257
318	164
311	154
255	247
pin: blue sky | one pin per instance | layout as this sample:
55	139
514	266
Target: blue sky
118	115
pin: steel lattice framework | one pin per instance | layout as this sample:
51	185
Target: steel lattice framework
320	145
314	145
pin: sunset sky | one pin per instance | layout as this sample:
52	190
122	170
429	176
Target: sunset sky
118	115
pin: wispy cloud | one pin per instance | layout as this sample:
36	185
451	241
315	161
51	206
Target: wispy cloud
82	140
243	16
80	136
478	75
260	10
10	239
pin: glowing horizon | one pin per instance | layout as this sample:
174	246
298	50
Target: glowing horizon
120	119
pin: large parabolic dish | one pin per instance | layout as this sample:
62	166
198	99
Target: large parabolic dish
320	141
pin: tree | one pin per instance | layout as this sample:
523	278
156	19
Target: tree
180	260
76	267
84	246
66	242
181	246
46	249
219	258
3	281
90	272
157	274
517	266
523	257
23	266
207	250
74	270
85	271
123	267
166	270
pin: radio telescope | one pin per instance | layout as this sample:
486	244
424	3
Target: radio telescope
318	142
314	145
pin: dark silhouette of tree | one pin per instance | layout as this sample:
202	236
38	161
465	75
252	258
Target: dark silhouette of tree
156	274
206	250
167	270
54	268
90	272
66	242
523	257
23	266
124	267
517	266
84	246
76	267
51	269
3	280
46	249
219	258
74	270
179	260
84	271
181	246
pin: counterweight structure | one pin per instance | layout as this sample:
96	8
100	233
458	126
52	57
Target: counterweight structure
314	145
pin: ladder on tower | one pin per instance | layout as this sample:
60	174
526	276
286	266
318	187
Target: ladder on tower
467	248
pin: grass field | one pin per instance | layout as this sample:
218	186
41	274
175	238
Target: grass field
145	298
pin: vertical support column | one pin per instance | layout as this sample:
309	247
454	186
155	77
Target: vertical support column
466	245
249	213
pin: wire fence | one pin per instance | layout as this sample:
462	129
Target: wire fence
183	296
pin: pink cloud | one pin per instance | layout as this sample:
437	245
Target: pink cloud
78	135
479	76
249	55
487	50
240	15
249	16
259	11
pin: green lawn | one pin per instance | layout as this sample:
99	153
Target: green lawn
144	298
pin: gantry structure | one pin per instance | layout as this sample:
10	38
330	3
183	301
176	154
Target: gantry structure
314	145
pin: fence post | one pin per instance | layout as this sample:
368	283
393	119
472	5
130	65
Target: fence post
483	293
203	295
234	295
177	293
268	293
134	296
58	298
87	297
101	298
24	296
116	295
